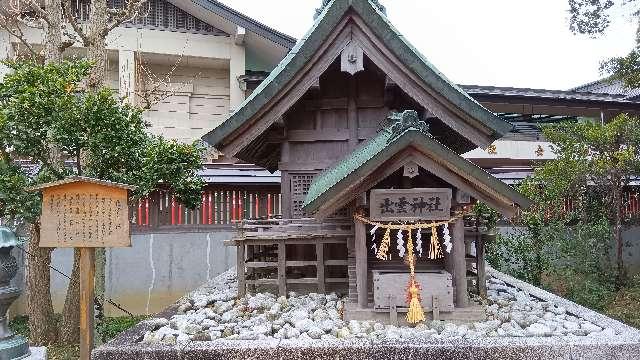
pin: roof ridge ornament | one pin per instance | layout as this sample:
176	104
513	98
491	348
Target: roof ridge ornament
402	121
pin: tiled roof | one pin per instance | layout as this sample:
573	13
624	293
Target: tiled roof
611	87
299	56
585	95
373	153
238	175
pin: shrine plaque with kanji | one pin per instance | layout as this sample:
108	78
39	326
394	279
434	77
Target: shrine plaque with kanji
410	204
85	214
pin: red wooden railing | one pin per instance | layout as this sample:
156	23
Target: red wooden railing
217	207
630	210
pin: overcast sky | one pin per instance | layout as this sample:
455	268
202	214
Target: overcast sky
522	43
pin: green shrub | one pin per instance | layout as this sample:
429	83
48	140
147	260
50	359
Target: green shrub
20	325
112	327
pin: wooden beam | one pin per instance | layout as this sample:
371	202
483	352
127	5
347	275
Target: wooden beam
336	262
342	103
301	263
361	264
261	264
282	268
306	166
318	135
459	264
480	266
320	267
240	269
352	113
87	273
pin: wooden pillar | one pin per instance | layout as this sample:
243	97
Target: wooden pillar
459	264
87	273
361	264
285	183
154	211
320	267
480	265
282	268
249	272
240	268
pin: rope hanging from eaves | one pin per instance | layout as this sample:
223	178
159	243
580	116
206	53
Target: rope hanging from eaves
406	251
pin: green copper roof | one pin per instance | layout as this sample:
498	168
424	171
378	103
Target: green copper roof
388	142
306	47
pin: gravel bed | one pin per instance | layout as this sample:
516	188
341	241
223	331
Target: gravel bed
212	313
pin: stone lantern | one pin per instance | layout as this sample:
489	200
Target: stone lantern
12	346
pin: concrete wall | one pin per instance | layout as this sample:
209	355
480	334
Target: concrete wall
631	239
152	274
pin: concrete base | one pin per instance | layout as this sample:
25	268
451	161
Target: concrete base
473	313
37	353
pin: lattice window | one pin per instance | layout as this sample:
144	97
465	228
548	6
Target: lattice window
300	184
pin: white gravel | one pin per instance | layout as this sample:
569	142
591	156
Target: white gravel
213	312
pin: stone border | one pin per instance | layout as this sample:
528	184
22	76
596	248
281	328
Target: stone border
624	345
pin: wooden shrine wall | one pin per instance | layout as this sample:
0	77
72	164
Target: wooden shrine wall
327	124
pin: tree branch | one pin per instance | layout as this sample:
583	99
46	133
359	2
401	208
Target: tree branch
130	11
71	19
42	14
11	26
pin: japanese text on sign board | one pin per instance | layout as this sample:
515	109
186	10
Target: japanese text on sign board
427	204
85	216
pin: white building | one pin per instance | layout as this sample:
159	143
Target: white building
198	51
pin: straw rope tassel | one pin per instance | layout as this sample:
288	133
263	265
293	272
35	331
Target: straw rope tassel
384	245
435	251
415	313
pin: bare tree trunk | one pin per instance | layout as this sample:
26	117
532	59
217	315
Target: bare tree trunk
42	325
53	32
70	327
97	51
97	54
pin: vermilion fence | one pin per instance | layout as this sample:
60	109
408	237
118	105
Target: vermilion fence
630	209
222	206
218	206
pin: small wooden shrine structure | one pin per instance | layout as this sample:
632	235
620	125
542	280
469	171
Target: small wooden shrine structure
367	135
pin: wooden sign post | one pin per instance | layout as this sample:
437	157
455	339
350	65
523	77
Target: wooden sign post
85	213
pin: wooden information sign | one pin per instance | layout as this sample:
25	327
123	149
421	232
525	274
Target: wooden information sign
410	204
85	213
